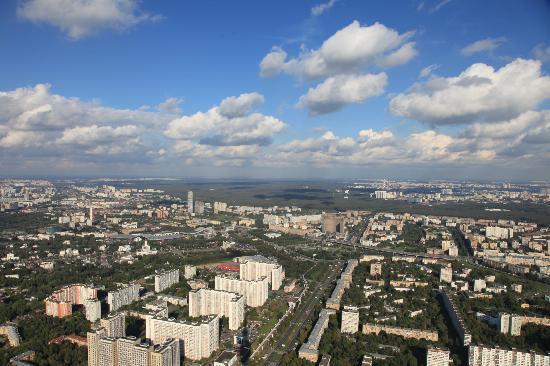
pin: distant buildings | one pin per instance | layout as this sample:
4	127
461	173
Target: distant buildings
333	223
166	279
217	302
123	296
190	202
189	271
499	232
350	320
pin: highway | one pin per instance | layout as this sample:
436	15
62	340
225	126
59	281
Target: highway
285	341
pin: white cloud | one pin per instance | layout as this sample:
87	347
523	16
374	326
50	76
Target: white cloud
36	122
350	49
240	106
273	63
483	45
321	8
439	5
335	92
171	105
81	18
542	52
428	70
230	124
479	94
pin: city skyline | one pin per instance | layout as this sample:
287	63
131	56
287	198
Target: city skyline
333	89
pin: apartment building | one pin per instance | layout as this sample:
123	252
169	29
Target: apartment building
165	279
255	292
123	296
369	328
130	351
437	357
446	274
114	325
350	320
92	308
198	339
218	302
310	350
189	271
456	318
60	303
252	268
496	356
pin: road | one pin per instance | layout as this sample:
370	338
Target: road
285	340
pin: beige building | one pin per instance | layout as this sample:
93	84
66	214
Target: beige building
437	357
217	302
376	269
199	338
114	325
310	350
446	274
350	320
369	328
254	292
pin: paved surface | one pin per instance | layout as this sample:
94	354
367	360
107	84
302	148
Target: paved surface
285	340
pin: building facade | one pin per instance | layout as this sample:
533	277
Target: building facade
254	292
217	302
165	279
198	339
350	320
123	296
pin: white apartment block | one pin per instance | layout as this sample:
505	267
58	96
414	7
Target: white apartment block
437	357
164	280
123	296
199	338
254	292
217	302
499	232
107	351
350	320
253	268
93	309
189	271
479	285
487	356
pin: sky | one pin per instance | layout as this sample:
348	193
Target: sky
404	89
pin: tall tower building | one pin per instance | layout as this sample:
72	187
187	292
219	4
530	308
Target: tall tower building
190	202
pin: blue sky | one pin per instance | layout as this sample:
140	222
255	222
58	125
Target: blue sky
110	64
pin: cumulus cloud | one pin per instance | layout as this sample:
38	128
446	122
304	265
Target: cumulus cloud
171	105
229	124
350	49
228	134
479	94
81	18
321	8
335	92
542	52
240	106
36	122
502	143
483	45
